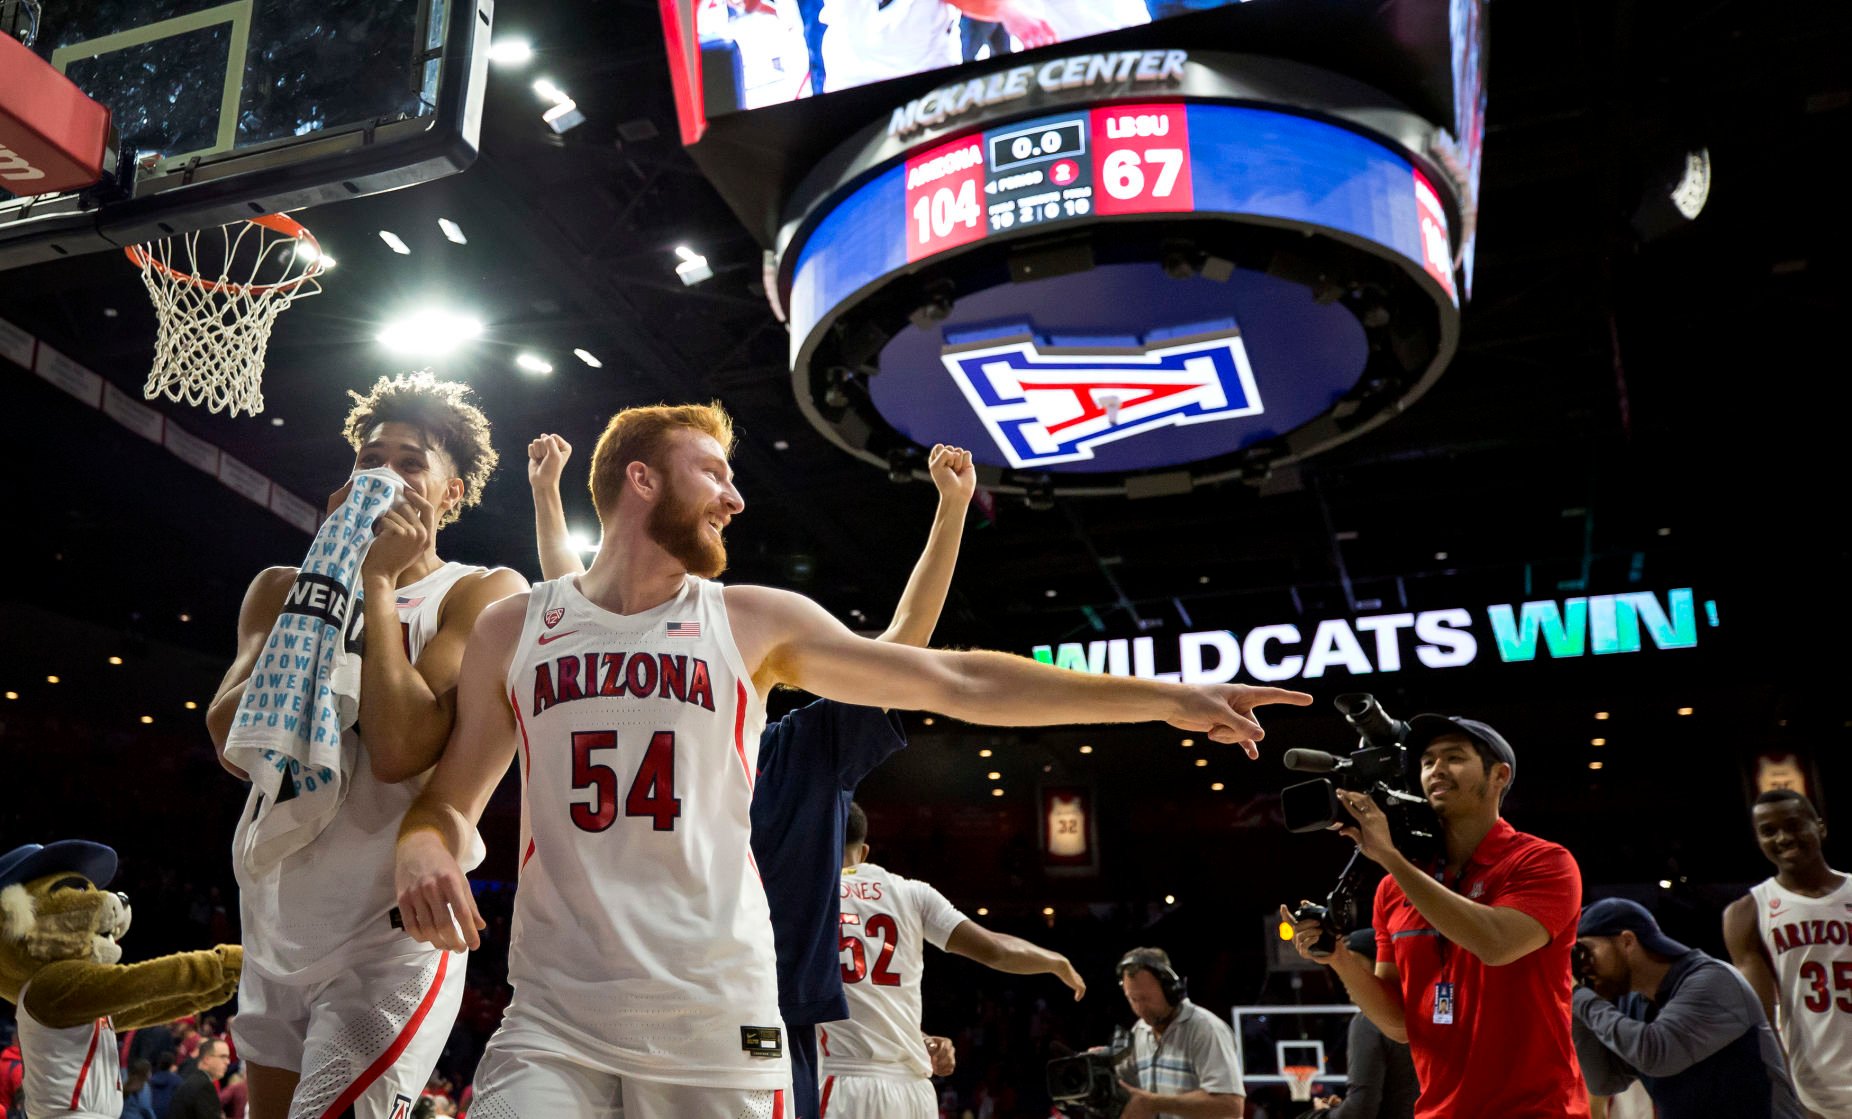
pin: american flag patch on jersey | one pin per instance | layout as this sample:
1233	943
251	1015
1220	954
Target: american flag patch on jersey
682	629
408	603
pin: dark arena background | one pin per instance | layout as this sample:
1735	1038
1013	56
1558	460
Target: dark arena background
1480	355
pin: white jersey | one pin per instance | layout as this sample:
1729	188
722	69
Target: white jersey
1810	942
70	1073
642	941
328	903
870	41
887	921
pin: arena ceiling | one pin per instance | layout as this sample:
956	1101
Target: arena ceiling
1620	405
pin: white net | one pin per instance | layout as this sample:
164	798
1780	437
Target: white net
1299	1080
217	294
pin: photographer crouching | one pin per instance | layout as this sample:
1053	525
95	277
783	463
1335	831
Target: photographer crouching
1686	1025
1472	963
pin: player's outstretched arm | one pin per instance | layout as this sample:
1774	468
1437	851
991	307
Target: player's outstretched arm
430	883
263	602
786	638
1748	953
924	599
1002	952
546	460
1021	18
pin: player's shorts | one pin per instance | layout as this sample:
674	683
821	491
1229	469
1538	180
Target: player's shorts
878	1097
366	1038
517	1082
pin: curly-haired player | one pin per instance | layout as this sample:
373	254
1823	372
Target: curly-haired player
340	1012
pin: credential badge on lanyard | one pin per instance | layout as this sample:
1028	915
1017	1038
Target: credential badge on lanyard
1443	1004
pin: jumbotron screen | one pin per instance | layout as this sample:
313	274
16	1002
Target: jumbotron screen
788	49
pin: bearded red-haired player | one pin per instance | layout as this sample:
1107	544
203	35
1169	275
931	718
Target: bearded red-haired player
641	952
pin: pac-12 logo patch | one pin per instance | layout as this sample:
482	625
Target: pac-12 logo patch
401	1107
1046	404
553	616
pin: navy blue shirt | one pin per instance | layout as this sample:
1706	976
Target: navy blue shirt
810	762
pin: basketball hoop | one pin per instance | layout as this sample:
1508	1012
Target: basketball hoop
1299	1081
214	328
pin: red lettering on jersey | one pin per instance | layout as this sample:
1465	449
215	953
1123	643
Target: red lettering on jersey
645	675
674	676
1780	939
700	688
863	891
567	670
640	674
612	683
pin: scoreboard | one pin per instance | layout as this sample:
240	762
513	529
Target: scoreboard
1120	159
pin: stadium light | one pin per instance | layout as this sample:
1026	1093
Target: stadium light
511	52
430	333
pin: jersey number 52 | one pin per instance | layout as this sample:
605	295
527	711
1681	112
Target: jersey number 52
855	969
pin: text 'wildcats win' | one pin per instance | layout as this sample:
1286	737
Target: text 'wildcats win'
1601	624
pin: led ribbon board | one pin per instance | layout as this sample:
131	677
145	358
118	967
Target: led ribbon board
1097	377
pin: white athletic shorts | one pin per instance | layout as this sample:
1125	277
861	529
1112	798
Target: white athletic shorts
877	1097
366	1038
517	1082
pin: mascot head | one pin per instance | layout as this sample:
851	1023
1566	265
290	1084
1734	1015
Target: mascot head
53	907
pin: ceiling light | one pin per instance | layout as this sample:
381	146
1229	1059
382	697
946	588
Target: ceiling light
927	720
1202	578
1694	186
983	911
564	117
1049	593
1048	911
1188	742
1597	742
115	660
146	719
394	242
51	679
452	231
581	542
994	775
550	92
1170	899
780	445
186	617
985	753
1440	557
1086	749
276	421
12	695
533	363
694	267
1665	532
1684	711
1665	883
510	52
996	792
190	705
1200	762
1594	765
429	333
1601	714
1216	787
588	358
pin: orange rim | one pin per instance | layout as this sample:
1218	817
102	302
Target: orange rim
277	223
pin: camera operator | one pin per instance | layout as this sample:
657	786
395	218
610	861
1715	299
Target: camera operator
1472	953
1184	1057
1380	1075
1686	1025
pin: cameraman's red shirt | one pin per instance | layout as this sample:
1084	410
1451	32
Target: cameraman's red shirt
1507	1051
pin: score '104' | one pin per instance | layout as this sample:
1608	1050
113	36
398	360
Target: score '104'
937	215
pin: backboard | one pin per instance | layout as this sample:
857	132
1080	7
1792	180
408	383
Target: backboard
1268	1039
225	109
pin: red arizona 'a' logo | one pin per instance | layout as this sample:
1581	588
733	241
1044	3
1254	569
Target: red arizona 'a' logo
553	616
401	1107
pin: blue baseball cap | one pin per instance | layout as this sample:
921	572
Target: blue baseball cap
1424	729
1613	916
79	856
